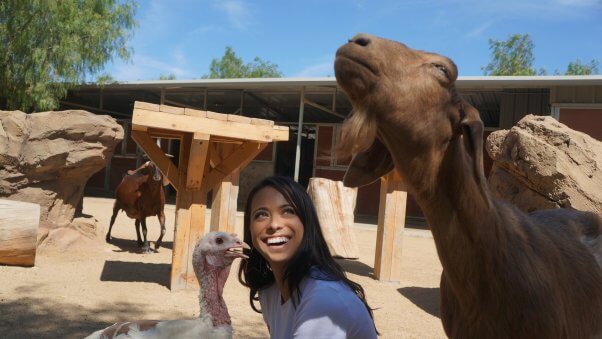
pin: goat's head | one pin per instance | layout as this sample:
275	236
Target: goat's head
405	104
149	168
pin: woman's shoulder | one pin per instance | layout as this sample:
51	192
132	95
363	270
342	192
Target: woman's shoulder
320	284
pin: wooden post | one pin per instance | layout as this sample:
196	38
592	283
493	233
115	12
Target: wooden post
391	224
190	223
223	207
335	204
18	232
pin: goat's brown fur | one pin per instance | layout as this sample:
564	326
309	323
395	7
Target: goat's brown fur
506	274
140	194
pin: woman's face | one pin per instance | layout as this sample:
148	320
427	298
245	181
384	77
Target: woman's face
276	230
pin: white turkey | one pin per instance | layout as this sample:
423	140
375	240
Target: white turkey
212	257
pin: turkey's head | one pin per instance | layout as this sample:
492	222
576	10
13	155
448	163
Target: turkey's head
217	250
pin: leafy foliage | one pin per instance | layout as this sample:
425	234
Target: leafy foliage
50	46
231	66
170	76
578	68
511	57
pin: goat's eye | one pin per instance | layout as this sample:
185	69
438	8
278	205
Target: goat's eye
442	69
219	241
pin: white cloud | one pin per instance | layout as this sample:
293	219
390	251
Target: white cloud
478	31
144	67
584	3
317	70
236	12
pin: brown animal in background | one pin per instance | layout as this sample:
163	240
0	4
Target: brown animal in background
140	194
506	274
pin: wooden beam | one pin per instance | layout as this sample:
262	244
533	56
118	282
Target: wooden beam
391	223
157	156
237	159
196	162
192	124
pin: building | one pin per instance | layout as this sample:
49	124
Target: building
317	107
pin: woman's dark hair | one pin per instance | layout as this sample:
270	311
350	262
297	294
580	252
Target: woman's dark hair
313	250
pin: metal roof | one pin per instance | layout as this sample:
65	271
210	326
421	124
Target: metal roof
278	99
295	83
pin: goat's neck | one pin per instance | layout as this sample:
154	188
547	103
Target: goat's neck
212	280
463	223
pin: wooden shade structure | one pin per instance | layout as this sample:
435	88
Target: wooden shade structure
213	149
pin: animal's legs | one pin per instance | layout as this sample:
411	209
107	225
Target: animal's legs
115	211
145	247
138	233
162	222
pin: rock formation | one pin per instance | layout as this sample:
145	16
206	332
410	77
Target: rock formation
541	163
47	158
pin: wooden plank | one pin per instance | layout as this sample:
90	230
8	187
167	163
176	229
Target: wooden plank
139	128
172	109
239	118
165	134
185	123
18	232
256	121
391	223
157	156
195	112
196	162
238	159
217	116
147	106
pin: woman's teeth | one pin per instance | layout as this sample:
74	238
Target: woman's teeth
277	240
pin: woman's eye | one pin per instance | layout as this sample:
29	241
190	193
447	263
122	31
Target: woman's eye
288	210
260	214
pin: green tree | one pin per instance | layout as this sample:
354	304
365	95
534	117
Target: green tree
578	68
49	46
231	66
170	76
511	57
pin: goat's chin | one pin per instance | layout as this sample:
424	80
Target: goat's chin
357	134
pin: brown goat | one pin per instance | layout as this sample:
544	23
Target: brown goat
140	194
506	274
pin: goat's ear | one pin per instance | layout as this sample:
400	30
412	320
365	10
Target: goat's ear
472	134
368	166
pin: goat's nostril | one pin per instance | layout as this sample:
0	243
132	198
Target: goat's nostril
362	41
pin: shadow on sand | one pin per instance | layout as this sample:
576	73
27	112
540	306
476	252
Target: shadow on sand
33	317
136	271
131	245
356	267
427	298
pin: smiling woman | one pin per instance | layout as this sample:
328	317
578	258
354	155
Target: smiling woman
302	291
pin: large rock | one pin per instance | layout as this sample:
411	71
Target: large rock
47	158
541	163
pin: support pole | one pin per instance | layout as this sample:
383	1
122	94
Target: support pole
391	224
299	132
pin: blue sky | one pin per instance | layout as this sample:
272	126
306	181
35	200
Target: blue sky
301	37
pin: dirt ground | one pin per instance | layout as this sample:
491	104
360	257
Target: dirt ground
71	294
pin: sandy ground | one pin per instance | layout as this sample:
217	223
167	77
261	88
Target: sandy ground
71	294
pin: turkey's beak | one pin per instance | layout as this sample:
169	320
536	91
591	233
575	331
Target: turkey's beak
236	251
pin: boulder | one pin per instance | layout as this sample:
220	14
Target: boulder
47	158
541	163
